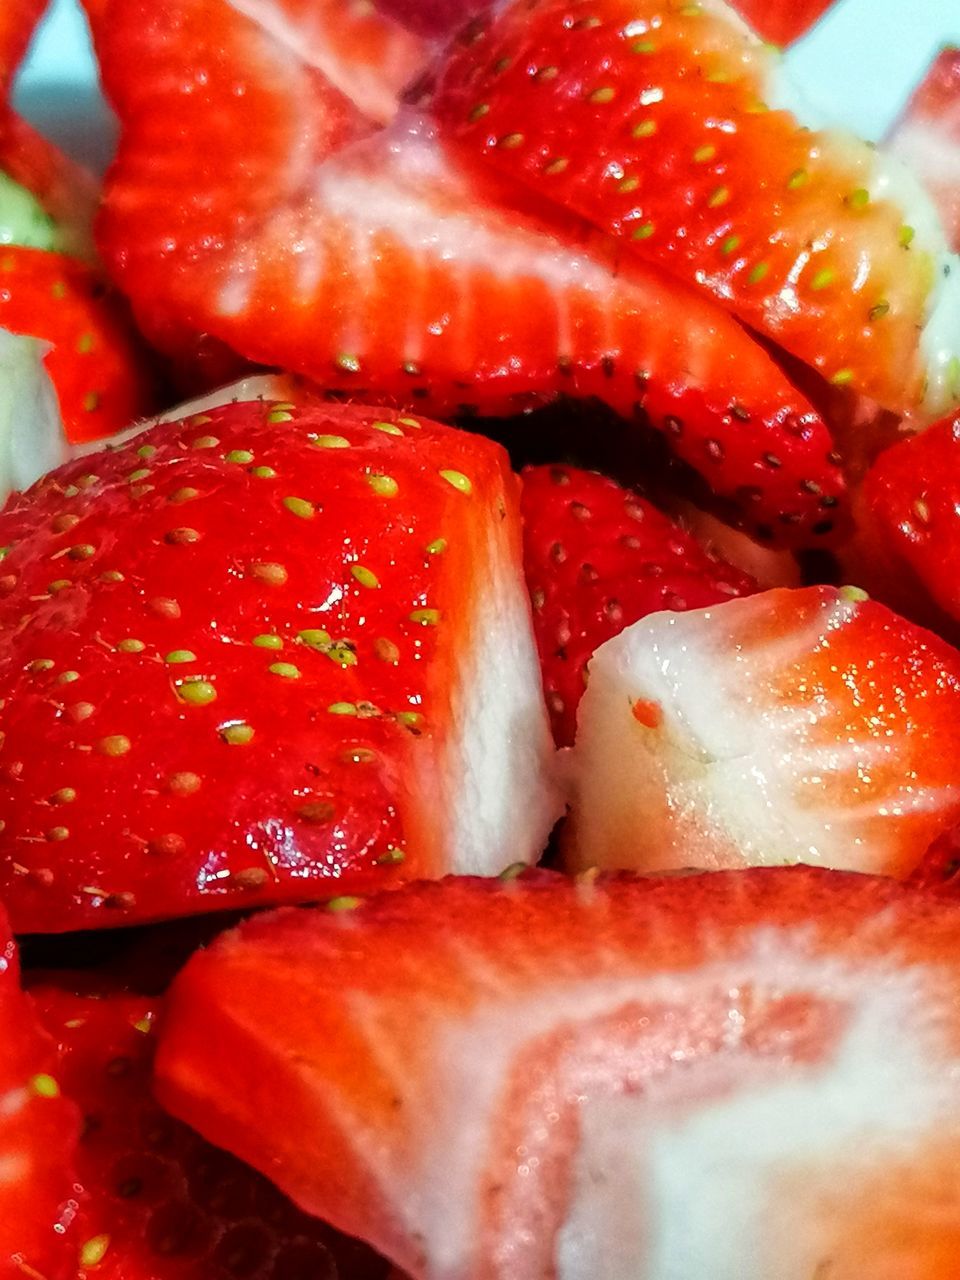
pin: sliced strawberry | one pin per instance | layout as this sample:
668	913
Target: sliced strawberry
386	271
927	137
910	509
650	119
300	638
737	1076
68	193
597	558
781	21
18	19
100	373
797	726
157	1200
38	1138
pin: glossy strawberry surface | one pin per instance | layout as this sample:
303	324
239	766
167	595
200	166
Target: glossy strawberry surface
597	558
259	622
927	136
654	122
545	1075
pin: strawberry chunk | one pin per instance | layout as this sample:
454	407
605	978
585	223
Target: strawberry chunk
99	370
794	726
38	1138
781	21
910	517
67	191
738	1075
927	137
299	637
382	269
597	558
158	1201
652	121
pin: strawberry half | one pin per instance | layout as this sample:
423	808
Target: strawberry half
38	1138
737	1075
98	368
300	638
382	270
597	558
158	1201
795	726
927	137
651	120
910	517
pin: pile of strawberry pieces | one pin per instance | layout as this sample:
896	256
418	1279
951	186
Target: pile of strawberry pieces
280	649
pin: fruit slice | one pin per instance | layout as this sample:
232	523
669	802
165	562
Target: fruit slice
781	21
99	370
67	192
387	272
927	137
597	558
910	508
299	637
157	1200
38	1138
31	431
650	119
18	18
736	1076
795	726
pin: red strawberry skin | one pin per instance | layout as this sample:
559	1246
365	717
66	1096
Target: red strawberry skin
909	510
158	1202
38	1138
18	18
526	1007
236	663
100	372
781	21
598	558
927	137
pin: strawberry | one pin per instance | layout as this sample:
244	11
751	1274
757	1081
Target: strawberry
158	1202
38	1136
299	637
387	271
910	516
597	558
96	365
738	1076
18	19
781	21
927	137
650	119
67	193
795	726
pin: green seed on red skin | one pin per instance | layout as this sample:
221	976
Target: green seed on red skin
279	415
196	693
823	278
391	857
56	835
344	903
39	665
409	718
94	1250
411	422
179	656
237	735
331	442
437	547
425	617
131	646
186	494
383	486
184	783
342	708
602	95
286	670
267	642
341	653
704	154
274	575
719	197
644	129
140	474
205	442
758	272
314	638
263	473
45	1086
643	232
181	537
366	577
68	677
84	551
510	141
115	744
347	362
388	428
457	480
66	795
242	456
146	451
299	507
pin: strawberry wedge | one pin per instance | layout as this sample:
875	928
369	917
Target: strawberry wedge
299	638
781	21
734	1076
654	120
812	725
159	1203
927	137
380	268
38	1138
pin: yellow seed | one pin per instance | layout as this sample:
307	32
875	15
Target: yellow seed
799	178
644	129
906	236
553	167
425	617
388	428
383	486
719	197
858	199
94	1251
348	363
331	442
758	272
823	278
510	141
205	442
299	507
605	93
436	547
364	576
279	415
344	903
342	709
275	575
643	232
628	185
842	377
263	473
314	638
57	834
115	744
179	656
856	595
45	1086
705	153
411	422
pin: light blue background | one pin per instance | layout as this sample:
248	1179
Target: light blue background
857	67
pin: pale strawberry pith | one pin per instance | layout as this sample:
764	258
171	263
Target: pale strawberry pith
297	636
652	120
606	1039
793	726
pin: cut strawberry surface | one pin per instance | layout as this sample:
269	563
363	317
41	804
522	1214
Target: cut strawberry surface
158	1202
651	120
592	1080
910	515
927	137
300	638
781	21
794	726
38	1138
598	558
102	379
384	270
